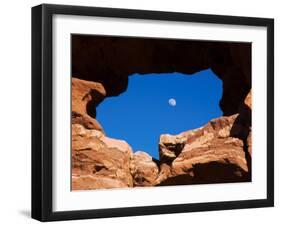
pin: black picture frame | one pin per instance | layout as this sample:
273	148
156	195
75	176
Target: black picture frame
42	111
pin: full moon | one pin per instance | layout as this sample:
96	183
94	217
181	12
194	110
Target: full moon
172	102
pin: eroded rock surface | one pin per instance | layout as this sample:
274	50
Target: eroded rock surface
85	97
217	152
99	161
144	169
209	154
170	147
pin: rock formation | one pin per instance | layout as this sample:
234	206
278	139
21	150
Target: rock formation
219	151
85	97
144	169
110	60
99	161
208	155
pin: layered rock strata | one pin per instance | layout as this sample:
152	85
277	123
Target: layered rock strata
99	161
218	152
208	155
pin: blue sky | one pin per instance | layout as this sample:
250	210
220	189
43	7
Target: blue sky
142	113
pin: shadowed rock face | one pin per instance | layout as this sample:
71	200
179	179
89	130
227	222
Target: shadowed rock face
110	60
218	152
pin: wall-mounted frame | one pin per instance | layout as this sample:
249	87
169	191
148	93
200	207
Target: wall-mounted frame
249	82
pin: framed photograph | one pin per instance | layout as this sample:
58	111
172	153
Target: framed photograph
145	112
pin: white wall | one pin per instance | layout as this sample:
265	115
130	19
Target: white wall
15	93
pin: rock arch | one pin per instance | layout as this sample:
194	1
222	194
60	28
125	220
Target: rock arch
100	68
110	60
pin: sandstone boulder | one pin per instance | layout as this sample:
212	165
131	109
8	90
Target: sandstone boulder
170	146
98	161
144	169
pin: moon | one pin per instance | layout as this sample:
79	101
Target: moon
172	102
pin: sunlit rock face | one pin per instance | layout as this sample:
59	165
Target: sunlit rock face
208	155
144	169
217	152
85	93
99	161
170	146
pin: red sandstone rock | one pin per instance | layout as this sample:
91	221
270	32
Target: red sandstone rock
88	182
143	169
220	151
86	95
249	143
248	103
170	147
209	147
99	162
